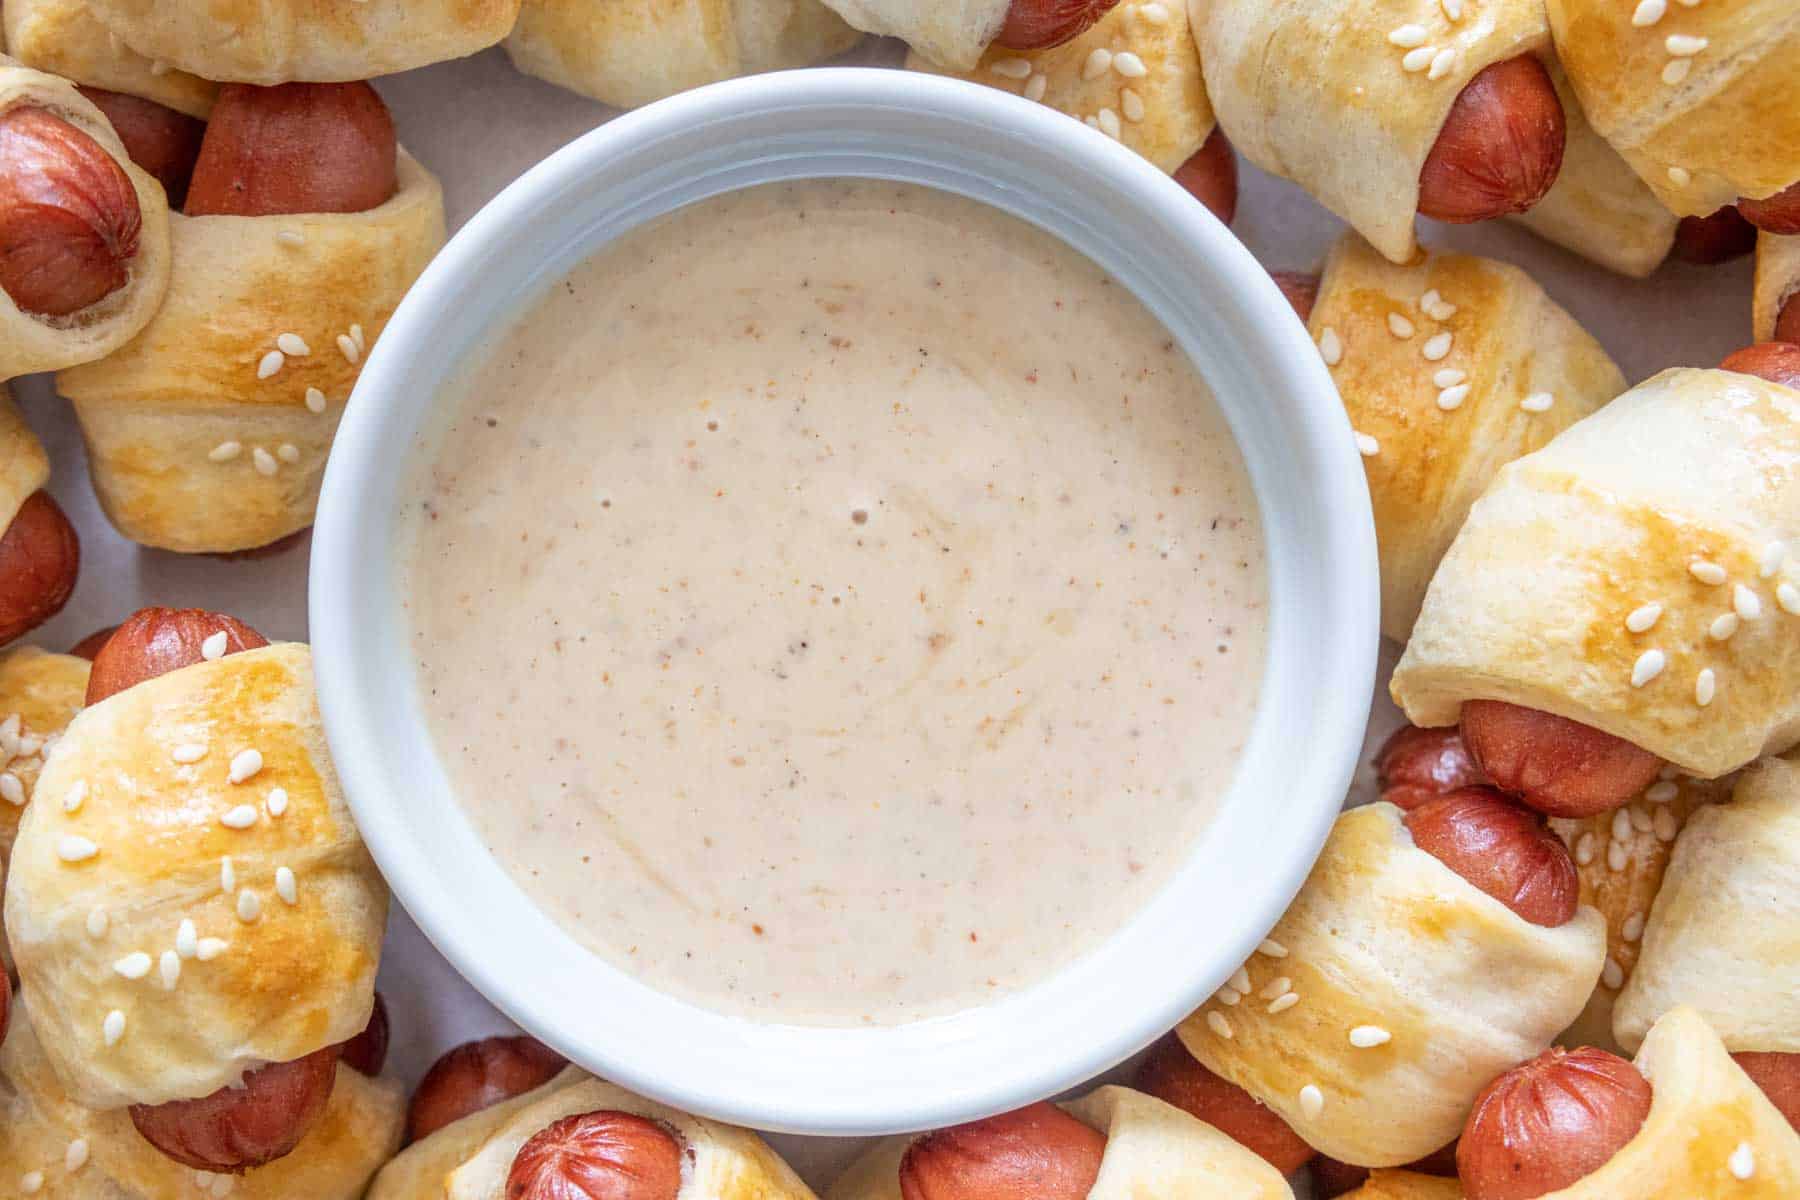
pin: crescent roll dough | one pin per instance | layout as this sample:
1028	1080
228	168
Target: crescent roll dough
24	467
631	52
64	38
1724	936
1700	101
951	32
1777	280
280	41
1710	1133
152	824
1316	92
30	342
1406	1185
202	435
1385	938
1154	1151
40	693
81	1154
1151	95
1681	493
469	1159
1598	207
1435	361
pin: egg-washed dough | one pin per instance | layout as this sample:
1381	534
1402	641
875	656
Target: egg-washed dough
1162	113
39	1125
321	41
1384	935
1777	280
631	52
64	38
1406	1185
1620	856
1724	936
291	978
1707	1122
1313	91
1508	339
1598	207
1529	606
24	467
951	32
30	343
190	448
1154	1151
40	693
1728	128
469	1159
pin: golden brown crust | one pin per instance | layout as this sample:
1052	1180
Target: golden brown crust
40	693
64	38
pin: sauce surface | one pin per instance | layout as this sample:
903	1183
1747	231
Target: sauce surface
836	602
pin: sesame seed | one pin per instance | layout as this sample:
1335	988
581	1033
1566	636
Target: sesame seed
277	801
76	1156
1742	1161
1773	555
1644	617
265	462
286	886
1418	60
1682	45
1442	63
1584	848
1228	996
348	348
1640	818
31	1182
291	237
1746	602
1615	856
1240	979
1109	123
1367	1037
227	876
73	849
1649	665
1706	686
97	922
1679	69
1665	825
1649	12
1443	310
113	1027
249	906
1282	1003
1612	974
1621	825
187	939
1633	929
1092	122
1215	1021
1038	85
1367	446
1723	626
356	335
1156	14
188	752
1538	402
1276	988
241	817
315	400
1451	398
1709	573
1662	791
225	451
1437	347
1272	948
1132	105
1449	377
77	796
287	452
271	363
169	967
135	965
245	764
1453	9
1408	36
1011	68
1788	596
12	789
1399	326
1099	62
211	948
1312	1101
214	646
1129	65
293	345
1673	72
1331	346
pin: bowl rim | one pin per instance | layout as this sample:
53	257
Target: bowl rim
1044	1042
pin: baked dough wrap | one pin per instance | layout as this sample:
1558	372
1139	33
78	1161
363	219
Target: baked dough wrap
631	52
1690	470
24	467
1724	936
1384	935
40	693
1504	339
1702	136
358	1131
469	1159
1620	857
1704	1112
1598	207
321	41
151	769
30	343
1154	1151
190	445
954	33
65	38
1406	1185
1314	91
1777	280
1163	113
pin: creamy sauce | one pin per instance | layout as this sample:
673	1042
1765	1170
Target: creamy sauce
836	602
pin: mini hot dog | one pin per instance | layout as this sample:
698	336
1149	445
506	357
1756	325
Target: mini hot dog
1175	1077
160	140
40	555
607	1154
478	1075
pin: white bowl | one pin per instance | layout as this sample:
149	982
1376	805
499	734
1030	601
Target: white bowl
1218	304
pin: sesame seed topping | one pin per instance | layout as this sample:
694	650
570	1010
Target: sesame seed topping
1011	68
1312	1101
1788	596
1706	686
1039	84
1538	402
1156	14
348	348
1399	326
277	801
1644	617
1585	846
12	789
1742	1161
1408	36
211	948
356	335
1649	12
72	848
1091	121
1228	996
271	363
1679	69
187	939
1773	555
1331	346
1682	45
287	452
1442	63
97	922
1441	310
1673	72
245	764
1449	377
293	345
76	1156
227	876
1746	603
1640	818
135	965
291	237
1367	1037
1240	979
1215	1021
1129	65
188	752
169	967
1276	988
1621	825
249	906
286	886
1367	446
1612	974
1109	123
113	1027
214	646
1664	823
1418	60
1451	398
225	451
1282	1003
1099	62
1662	791
315	400
265	462
1709	573
241	817
1437	347
1132	105
31	1182
1633	929
1615	856
1272	948
1453	9
1723	626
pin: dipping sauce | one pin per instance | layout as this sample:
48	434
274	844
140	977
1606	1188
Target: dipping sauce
836	602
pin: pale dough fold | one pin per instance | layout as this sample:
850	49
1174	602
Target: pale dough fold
951	32
282	41
151	770
1384	937
1723	127
30	342
40	693
631	52
1491	325
1162	113
64	37
1406	1185
1529	606
24	467
469	1159
190	446
40	1128
1724	936
1314	91
1777	281
1154	1151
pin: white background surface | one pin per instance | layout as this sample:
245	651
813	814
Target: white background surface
479	124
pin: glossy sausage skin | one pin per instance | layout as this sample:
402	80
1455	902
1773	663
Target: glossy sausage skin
69	216
1710	240
1211	176
1779	214
1033	1153
92	644
1504	849
1778	1075
155	641
603	1155
163	142
294	148
1560	767
1300	289
1500	149
1416	765
1777	362
40	556
1041	24
1176	1077
367	1051
237	1128
1549	1123
474	1076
